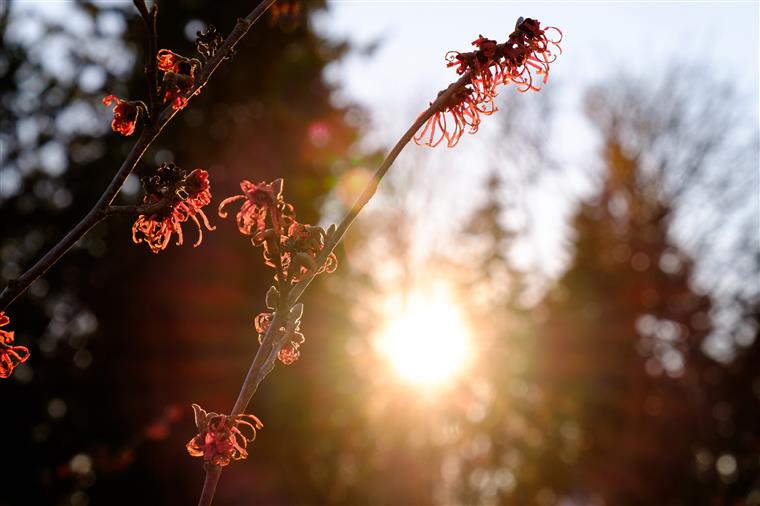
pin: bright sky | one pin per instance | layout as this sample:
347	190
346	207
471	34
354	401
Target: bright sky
602	39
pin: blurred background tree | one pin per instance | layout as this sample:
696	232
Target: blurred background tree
174	328
630	377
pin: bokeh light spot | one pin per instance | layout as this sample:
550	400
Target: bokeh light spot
425	339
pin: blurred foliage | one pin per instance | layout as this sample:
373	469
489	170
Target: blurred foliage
612	398
119	335
594	388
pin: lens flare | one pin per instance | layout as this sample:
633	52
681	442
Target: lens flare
425	339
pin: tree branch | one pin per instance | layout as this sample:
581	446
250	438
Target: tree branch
149	16
369	190
150	132
264	360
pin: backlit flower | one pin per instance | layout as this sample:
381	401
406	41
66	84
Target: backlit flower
10	356
460	114
288	334
291	336
222	438
289	353
293	248
528	52
179	77
125	114
301	247
184	195
261	323
208	41
262	201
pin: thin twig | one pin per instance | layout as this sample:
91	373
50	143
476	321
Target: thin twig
94	216
369	190
151	130
228	46
146	209
254	374
209	484
264	360
149	16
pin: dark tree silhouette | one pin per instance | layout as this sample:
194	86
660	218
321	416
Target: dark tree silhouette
133	334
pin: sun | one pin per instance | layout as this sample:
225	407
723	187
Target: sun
425	339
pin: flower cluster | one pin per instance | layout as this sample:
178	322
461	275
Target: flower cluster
300	249
528	52
10	356
179	77
221	438
183	196
125	114
288	336
208	41
262	201
461	112
291	247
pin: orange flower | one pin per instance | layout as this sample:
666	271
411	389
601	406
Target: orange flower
292	248
290	333
220	439
208	41
300	249
179	77
261	323
10	356
262	200
289	353
527	52
186	195
125	115
462	112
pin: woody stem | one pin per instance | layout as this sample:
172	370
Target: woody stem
100	210
263	361
371	187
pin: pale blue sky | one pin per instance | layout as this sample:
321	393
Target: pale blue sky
602	39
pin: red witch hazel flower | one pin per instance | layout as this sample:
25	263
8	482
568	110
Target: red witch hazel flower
289	335
222	438
184	196
300	249
179	77
527	51
262	201
125	114
293	248
208	41
10	356
461	112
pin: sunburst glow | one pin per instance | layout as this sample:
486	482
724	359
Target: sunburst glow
425	338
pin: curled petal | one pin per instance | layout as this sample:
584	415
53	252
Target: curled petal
167	60
219	439
125	115
10	356
157	229
528	53
6	336
288	354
